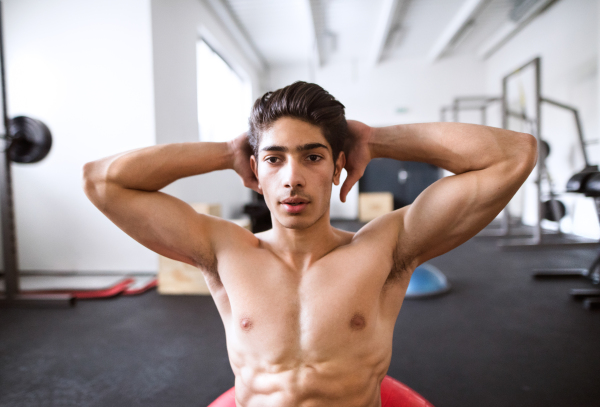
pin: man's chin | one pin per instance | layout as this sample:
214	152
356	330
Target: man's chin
295	221
296	224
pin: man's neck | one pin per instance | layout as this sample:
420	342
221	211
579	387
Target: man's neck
302	247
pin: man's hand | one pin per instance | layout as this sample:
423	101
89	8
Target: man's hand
359	155
242	151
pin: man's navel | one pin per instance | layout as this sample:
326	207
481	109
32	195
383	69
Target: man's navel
358	322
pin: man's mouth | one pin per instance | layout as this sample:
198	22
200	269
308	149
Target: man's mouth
294	204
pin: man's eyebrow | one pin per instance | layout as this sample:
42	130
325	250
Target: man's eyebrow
275	148
305	147
311	146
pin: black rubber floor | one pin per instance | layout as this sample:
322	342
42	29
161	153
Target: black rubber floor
498	338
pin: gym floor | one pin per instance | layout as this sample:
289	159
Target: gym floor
499	338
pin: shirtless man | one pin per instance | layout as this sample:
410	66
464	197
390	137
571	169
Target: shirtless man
309	310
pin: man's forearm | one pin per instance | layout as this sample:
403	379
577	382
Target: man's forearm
456	147
153	168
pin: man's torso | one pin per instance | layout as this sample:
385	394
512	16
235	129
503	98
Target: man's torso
314	336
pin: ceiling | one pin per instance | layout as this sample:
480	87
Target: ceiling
291	32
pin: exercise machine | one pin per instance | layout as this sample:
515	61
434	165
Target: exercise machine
469	103
586	182
549	207
529	116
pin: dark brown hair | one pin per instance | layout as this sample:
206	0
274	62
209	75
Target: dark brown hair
304	101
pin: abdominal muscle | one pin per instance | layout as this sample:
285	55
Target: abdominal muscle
346	374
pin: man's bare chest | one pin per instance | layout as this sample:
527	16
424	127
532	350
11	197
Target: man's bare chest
272	305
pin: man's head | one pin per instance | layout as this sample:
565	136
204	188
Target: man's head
298	135
305	101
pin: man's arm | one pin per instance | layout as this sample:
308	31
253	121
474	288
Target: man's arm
489	164
125	187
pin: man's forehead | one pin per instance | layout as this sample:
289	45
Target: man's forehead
293	134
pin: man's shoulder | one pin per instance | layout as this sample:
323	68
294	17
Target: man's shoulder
231	235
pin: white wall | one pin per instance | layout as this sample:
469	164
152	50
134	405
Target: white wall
176	27
375	95
105	77
566	38
84	68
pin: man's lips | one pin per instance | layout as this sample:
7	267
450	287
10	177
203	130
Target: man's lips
294	205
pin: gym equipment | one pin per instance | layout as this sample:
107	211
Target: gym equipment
24	140
141	284
586	182
553	210
78	286
427	281
29	140
85	285
545	148
469	103
549	207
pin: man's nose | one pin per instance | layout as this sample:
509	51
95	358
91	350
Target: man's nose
293	176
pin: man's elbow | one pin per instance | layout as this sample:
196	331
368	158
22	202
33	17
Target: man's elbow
530	151
88	173
92	179
523	155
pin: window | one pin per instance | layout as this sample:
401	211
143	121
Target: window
224	97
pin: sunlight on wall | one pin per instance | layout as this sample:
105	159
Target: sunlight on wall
224	97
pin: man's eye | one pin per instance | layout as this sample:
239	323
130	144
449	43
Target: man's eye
271	160
314	157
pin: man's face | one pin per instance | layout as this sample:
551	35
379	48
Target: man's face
295	171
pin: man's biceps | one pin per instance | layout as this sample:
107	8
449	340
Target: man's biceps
437	201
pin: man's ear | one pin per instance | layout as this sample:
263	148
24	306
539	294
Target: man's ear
254	167
339	166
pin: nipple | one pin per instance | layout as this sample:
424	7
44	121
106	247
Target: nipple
246	324
358	322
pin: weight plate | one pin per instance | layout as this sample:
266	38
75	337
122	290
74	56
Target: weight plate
549	213
31	140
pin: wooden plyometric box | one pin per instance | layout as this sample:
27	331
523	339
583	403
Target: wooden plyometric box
243	222
177	278
374	204
207	209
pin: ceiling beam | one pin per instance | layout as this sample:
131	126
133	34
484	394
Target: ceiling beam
231	24
382	30
459	23
510	28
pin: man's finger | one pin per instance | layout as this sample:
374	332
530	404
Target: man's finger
347	186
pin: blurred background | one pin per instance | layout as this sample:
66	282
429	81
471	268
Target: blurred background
114	75
110	76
